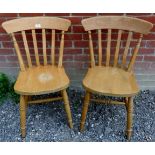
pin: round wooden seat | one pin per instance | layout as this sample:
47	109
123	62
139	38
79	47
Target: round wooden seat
41	80
110	81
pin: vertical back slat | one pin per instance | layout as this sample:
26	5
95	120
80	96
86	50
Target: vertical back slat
91	49
44	46
117	48
132	61
35	47
21	63
61	50
53	48
126	48
100	47
108	47
27	49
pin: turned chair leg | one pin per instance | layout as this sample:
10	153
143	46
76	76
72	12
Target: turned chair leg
67	108
84	110
129	117
23	115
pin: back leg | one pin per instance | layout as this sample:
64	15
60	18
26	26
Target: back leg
23	105
129	117
67	108
84	110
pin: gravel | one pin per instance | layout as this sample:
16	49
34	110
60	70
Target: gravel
48	122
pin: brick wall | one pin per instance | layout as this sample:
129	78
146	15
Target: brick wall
76	52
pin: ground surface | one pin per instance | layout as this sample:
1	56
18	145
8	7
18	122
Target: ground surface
47	122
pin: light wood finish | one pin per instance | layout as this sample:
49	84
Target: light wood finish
23	115
27	49
115	79
29	23
99	47
106	101
35	47
110	81
45	100
108	47
39	79
84	110
67	108
126	49
53	48
129	117
117	48
91	49
117	22
132	61
44	46
61	50
20	59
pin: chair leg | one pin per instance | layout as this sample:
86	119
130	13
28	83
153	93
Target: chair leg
126	103
23	115
67	108
84	110
129	117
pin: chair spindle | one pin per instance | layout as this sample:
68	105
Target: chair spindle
35	47
53	48
26	49
21	63
108	47
91	49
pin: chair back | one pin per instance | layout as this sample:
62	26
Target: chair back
128	33
30	33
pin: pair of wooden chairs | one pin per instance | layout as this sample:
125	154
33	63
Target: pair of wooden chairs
109	79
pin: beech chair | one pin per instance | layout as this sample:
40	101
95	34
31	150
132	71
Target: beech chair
115	77
36	78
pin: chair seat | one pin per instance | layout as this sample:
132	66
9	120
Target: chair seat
110	81
41	80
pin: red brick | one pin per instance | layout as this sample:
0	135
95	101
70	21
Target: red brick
6	51
82	58
72	51
68	57
150	36
138	58
150	44
138	14
2	30
8	64
77	29
149	58
2	20
142	65
30	14
111	14
149	18
2	58
8	44
4	37
152	66
84	14
81	44
57	14
75	20
146	51
73	36
8	15
153	29
12	58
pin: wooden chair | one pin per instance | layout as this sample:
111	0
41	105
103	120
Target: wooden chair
115	77
36	78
